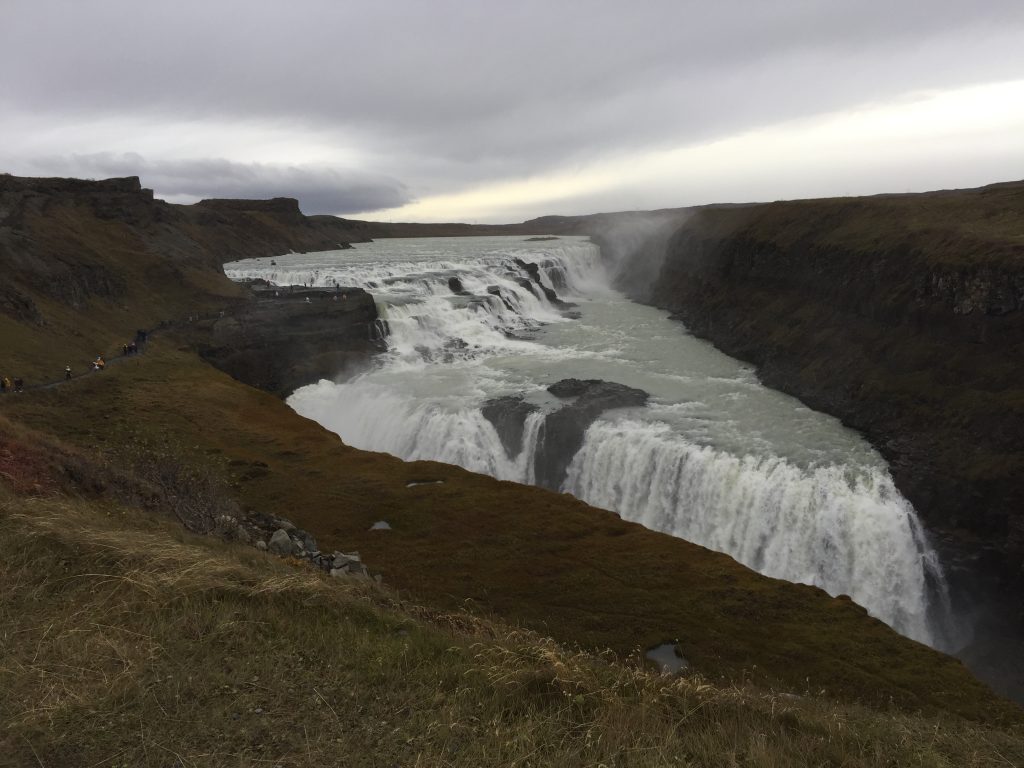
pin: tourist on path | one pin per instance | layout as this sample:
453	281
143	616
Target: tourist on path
67	373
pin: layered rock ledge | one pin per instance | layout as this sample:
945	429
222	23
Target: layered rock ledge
287	337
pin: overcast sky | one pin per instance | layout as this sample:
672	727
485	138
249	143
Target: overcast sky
500	111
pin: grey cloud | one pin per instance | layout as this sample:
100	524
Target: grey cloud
319	190
450	92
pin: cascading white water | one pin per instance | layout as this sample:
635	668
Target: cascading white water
715	458
845	531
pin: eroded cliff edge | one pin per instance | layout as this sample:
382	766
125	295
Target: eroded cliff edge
903	315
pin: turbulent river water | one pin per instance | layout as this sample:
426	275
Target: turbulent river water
714	457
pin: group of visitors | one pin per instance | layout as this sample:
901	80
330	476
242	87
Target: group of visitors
131	348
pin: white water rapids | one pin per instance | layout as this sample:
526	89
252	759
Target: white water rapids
715	457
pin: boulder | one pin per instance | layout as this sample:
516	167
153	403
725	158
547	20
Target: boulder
280	543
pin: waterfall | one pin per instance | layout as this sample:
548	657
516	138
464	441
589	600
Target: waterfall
738	468
844	531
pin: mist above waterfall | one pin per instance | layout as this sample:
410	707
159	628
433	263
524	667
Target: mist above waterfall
633	245
714	457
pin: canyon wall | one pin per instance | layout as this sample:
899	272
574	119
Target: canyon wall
903	315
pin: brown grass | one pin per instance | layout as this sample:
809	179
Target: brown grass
534	558
126	642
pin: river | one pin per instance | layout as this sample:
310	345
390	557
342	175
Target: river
714	457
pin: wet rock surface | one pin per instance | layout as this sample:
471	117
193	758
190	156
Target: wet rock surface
508	415
558	280
562	433
279	536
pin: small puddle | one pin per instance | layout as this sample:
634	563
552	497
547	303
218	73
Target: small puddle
668	658
413	483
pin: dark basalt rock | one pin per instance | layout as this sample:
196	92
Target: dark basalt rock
562	433
495	290
456	287
533	270
296	337
526	284
508	415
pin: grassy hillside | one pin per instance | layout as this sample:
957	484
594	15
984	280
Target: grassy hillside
138	645
530	556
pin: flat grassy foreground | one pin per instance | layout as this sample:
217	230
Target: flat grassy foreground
125	641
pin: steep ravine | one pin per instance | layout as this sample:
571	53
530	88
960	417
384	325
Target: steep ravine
903	316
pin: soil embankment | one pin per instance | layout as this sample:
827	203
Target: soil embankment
903	315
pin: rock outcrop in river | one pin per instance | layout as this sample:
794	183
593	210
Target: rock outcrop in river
289	337
562	431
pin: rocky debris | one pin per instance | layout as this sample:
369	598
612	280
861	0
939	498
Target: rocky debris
342	564
562	432
281	537
280	543
508	415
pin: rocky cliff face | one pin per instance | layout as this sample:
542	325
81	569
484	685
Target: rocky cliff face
85	263
903	316
280	341
72	240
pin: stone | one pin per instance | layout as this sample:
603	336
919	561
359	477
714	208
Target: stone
308	542
341	559
261	545
358	569
280	543
242	535
381	525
